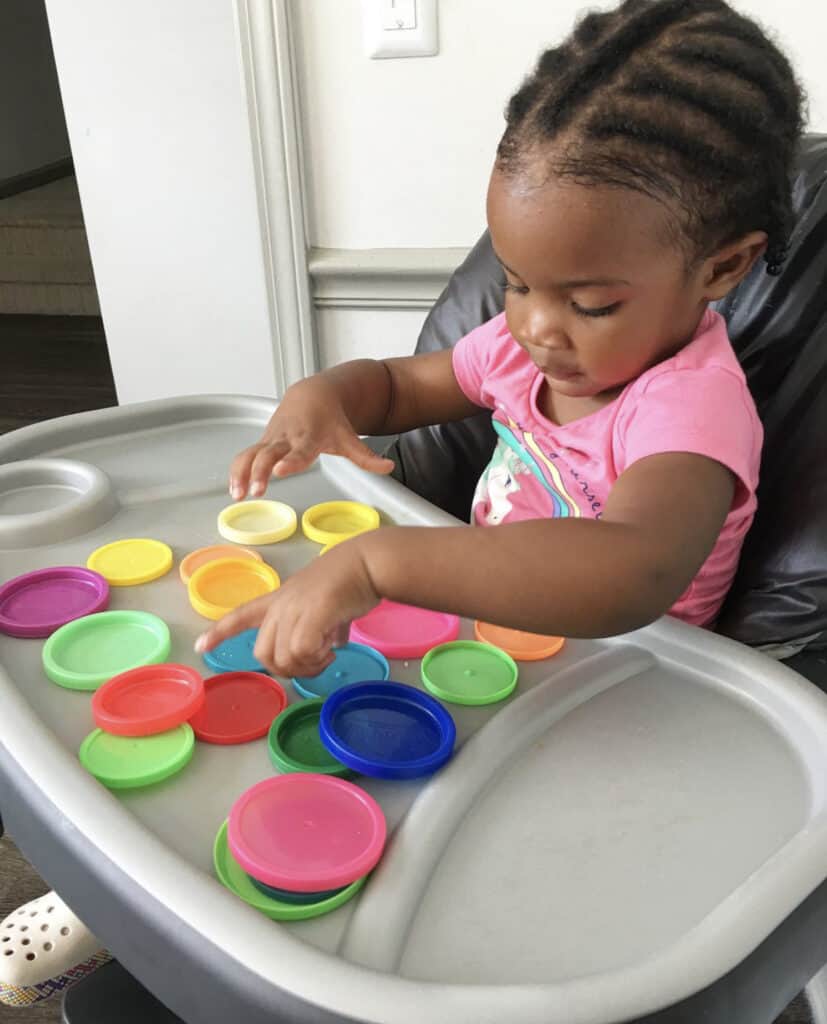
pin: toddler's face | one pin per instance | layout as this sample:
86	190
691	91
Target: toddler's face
598	290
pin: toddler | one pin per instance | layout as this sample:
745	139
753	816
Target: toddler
644	168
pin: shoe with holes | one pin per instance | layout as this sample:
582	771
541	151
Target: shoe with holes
44	949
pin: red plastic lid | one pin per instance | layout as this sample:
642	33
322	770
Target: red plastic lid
238	707
148	700
306	832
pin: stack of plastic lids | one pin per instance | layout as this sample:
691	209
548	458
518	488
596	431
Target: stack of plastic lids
143	733
298	846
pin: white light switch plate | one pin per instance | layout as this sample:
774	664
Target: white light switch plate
383	39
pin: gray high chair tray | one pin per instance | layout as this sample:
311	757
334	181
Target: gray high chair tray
639	833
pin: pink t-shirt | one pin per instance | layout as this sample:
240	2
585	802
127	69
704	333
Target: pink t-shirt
697	401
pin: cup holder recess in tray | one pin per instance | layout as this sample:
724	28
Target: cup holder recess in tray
47	500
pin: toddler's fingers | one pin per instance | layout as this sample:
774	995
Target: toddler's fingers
295	461
266	458
240	472
359	453
247	616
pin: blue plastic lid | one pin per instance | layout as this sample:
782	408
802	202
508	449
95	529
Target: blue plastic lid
235	654
387	730
353	663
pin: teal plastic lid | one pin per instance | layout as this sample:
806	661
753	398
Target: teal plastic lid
468	672
127	762
294	743
232	875
352	663
88	652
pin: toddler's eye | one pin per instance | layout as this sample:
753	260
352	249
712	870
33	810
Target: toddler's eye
600	311
519	289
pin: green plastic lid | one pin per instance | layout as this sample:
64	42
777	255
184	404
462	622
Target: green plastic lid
88	652
127	762
233	876
295	745
468	672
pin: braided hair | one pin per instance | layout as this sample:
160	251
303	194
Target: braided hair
686	101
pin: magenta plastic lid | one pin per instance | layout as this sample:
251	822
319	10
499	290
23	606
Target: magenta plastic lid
403	631
306	832
38	603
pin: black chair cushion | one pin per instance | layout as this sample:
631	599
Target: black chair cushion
778	327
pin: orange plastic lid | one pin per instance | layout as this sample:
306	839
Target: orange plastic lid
521	646
196	559
218	587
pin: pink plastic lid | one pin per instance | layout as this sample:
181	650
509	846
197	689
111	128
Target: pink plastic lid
148	700
403	631
38	603
306	832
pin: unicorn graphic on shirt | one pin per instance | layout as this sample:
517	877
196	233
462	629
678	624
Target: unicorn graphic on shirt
499	480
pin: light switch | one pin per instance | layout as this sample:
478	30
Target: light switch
398	15
400	28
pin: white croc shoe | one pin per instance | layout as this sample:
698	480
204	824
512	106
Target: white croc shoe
44	948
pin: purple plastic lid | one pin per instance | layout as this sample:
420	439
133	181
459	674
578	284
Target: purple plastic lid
38	603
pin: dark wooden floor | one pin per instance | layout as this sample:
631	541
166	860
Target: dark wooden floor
52	366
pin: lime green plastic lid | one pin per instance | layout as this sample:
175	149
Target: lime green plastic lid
233	876
468	672
127	762
87	652
295	745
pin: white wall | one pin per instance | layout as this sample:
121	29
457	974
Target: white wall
399	150
159	133
32	129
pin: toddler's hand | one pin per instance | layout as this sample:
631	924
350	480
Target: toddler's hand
301	622
310	420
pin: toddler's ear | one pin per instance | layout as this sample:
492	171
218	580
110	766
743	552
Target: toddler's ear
731	264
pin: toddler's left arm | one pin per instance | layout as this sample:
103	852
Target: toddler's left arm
569	577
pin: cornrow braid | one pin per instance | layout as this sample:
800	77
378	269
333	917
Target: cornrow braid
684	100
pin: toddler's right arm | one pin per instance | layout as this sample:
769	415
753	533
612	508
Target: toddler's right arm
328	411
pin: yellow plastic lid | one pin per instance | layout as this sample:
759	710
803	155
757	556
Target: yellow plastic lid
218	587
195	559
257	522
126	563
332	521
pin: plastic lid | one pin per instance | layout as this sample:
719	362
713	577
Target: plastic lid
238	707
127	762
38	603
387	730
521	646
148	700
468	672
306	832
196	559
333	521
126	563
352	663
218	587
402	630
232	875
295	745
285	896
257	522
235	654
87	652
